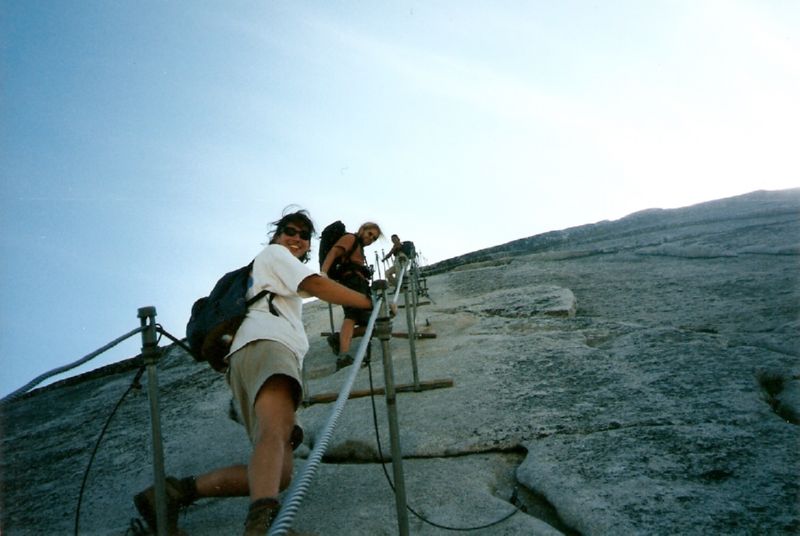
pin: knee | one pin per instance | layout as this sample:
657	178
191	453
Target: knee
273	434
274	410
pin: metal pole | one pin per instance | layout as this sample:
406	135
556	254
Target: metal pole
383	330
414	287
412	334
330	315
378	264
150	355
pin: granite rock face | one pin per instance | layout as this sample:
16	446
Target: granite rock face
639	376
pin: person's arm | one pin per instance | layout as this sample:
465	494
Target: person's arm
394	251
344	244
331	291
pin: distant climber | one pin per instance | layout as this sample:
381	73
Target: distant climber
401	251
347	255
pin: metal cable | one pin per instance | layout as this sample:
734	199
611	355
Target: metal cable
399	283
134	385
419	516
39	379
173	338
302	483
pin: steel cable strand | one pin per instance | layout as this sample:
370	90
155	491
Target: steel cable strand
33	383
302	483
399	283
408	507
173	338
134	385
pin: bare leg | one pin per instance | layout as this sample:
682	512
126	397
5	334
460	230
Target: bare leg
270	468
225	482
346	335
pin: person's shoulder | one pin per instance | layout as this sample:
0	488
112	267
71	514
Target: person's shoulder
279	255
348	238
273	249
276	251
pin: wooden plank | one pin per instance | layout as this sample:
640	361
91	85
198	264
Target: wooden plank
402	306
426	335
323	398
399	335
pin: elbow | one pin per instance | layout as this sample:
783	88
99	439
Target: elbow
312	285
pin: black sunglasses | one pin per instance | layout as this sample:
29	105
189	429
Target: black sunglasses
291	231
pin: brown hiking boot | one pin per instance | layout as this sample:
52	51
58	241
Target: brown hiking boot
180	493
260	516
333	342
344	361
296	439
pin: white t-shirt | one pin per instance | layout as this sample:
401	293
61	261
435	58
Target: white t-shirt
275	269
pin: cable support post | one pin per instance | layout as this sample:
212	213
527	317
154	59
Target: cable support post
383	328
378	263
394	429
414	267
383	324
412	335
150	355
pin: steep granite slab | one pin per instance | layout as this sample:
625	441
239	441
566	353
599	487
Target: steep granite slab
636	377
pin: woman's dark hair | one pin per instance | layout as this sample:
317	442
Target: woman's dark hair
299	218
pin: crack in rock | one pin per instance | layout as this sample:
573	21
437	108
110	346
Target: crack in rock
781	393
529	501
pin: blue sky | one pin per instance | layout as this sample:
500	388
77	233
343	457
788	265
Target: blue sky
146	145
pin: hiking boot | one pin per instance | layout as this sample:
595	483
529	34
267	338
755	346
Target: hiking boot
260	516
296	439
345	361
180	493
333	342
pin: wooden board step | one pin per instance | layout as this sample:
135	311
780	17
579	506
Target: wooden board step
324	398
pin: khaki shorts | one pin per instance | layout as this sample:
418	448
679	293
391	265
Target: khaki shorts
251	366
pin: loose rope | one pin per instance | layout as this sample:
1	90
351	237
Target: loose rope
134	385
514	499
302	483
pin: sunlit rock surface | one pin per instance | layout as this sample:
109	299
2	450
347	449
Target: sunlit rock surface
639	376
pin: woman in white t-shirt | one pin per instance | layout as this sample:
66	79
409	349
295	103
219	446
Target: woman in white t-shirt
264	375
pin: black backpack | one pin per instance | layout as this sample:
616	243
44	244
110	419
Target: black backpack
330	235
216	317
407	247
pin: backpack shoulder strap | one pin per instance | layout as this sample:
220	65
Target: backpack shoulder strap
260	295
356	244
